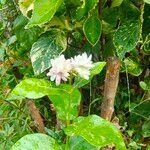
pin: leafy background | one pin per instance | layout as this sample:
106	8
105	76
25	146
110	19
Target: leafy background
31	37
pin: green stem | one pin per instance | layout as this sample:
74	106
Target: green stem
141	21
68	119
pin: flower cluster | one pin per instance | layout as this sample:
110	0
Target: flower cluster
62	68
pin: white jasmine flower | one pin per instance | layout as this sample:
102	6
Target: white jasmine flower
60	69
82	65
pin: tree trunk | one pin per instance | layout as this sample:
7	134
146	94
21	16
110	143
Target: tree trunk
35	114
110	87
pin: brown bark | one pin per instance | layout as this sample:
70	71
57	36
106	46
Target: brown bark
110	87
35	114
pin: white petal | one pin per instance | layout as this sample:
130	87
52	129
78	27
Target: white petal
58	80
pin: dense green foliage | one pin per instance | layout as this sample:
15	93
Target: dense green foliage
32	32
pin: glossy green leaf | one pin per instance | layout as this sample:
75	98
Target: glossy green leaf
126	38
92	29
65	97
132	65
32	88
66	102
25	6
36	141
79	82
85	8
79	143
97	131
116	3
147	1
44	50
43	11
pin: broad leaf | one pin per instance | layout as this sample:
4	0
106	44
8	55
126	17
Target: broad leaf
85	8
79	143
126	38
92	29
116	3
79	82
64	97
43	11
147	1
44	50
32	88
66	102
132	66
36	141
97	131
25	6
26	37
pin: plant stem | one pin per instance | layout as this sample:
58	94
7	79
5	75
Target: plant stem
110	87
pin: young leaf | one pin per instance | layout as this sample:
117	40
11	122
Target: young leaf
126	38
79	82
132	65
92	29
44	50
116	3
86	7
43	11
37	141
25	6
145	85
65	97
147	1
97	131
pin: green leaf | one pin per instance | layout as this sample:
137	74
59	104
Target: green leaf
79	82
97	131
126	38
145	85
79	143
66	102
43	11
116	3
32	88
26	37
132	65
146	44
46	49
65	97
111	20
147	1
146	129
36	141
2	54
92	29
85	8
3	2
143	109
25	6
